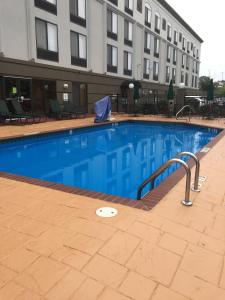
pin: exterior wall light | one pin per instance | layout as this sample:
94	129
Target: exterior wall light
65	85
131	86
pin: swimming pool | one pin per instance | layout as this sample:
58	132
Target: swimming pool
113	159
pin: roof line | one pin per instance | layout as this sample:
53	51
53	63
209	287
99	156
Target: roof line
178	17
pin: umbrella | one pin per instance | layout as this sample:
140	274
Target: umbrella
210	91
170	93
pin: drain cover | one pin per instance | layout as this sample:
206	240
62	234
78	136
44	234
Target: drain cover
106	212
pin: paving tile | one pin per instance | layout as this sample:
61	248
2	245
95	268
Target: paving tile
105	271
212	244
137	287
66	286
173	244
145	232
19	259
26	225
149	260
222	281
89	290
163	293
28	295
109	294
198	261
6	275
11	291
42	275
195	288
84	243
77	259
120	247
92	229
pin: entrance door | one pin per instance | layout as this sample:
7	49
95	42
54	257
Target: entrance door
79	95
42	92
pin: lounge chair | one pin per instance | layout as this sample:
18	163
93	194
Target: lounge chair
77	111
5	114
57	111
17	107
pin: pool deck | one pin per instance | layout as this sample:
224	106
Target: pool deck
54	247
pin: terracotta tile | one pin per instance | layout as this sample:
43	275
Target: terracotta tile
173	244
105	271
212	244
89	290
145	232
19	260
11	291
66	286
149	260
77	259
6	275
163	293
42	275
195	288
28	295
26	226
90	228
109	294
84	243
137	287
198	261
222	280
120	247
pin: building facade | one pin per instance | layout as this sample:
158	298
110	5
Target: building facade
81	50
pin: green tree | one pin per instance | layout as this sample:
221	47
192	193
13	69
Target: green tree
204	83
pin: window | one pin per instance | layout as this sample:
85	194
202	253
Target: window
169	32
180	37
47	40
157	23
188	47
112	59
129	7
174	56
183	60
192	46
192	80
148	15
139	6
147	45
48	5
174	75
168	53
186	79
156	47
155	71
193	66
127	63
164	24
187	63
78	49
184	44
182	77
197	67
128	33
197	54
146	68
112	29
167	74
196	81
175	37
114	2
78	12
194	51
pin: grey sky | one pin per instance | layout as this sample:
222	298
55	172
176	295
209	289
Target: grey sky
207	19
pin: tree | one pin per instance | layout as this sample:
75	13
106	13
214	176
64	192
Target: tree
204	83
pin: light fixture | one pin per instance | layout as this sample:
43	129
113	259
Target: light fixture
65	85
131	85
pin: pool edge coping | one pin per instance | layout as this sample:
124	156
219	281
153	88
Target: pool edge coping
147	203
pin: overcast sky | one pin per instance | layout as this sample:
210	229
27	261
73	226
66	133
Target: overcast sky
207	19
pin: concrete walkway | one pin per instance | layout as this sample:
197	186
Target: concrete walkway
54	247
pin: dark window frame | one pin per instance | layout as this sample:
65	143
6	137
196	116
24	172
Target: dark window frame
115	2
77	19
126	39
145	75
45	53
110	34
47	6
128	10
110	67
164	24
127	72
77	61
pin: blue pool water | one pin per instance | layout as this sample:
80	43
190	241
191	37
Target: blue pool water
113	159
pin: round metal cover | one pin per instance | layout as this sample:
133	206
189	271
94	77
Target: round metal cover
106	212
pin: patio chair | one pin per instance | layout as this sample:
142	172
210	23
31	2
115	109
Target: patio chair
18	109
77	111
57	111
5	113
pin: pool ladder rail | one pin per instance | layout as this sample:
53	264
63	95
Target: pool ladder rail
195	188
189	113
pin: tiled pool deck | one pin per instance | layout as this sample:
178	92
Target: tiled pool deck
53	246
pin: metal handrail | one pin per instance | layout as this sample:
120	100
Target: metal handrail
187	200
183	108
197	169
